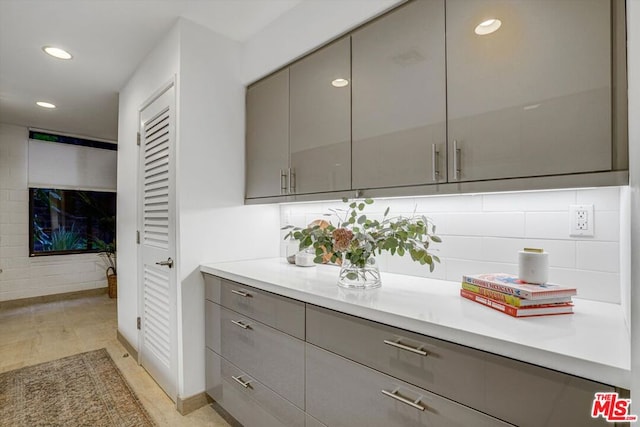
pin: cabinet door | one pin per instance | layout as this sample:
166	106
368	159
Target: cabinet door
267	139
532	98
399	98
246	399
321	120
268	355
340	392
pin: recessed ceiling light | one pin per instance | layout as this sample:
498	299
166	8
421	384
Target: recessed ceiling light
57	52
487	27
45	104
340	82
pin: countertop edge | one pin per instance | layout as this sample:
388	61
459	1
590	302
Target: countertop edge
589	369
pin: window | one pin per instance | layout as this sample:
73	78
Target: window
70	221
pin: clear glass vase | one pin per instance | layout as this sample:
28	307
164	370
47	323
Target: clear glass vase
352	276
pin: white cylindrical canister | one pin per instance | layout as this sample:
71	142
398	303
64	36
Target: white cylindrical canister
533	265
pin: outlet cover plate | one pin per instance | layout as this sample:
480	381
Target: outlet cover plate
581	220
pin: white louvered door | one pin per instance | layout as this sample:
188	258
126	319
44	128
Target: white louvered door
156	222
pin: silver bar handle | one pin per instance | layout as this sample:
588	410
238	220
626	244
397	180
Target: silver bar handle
435	154
406	347
167	263
241	293
241	324
244	384
457	169
283	182
292	180
414	404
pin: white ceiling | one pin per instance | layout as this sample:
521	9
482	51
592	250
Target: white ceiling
108	39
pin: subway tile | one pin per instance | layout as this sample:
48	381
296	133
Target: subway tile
401	206
466	203
561	252
594	285
20	218
16	262
13	229
20	240
602	199
13	252
459	247
19	195
598	256
529	201
499	224
405	265
14	274
456	268
547	225
607	226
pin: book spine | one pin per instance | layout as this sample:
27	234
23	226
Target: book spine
500	296
497	287
511	311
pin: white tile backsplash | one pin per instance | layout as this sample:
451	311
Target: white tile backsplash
484	232
607	226
547	225
528	201
598	256
603	199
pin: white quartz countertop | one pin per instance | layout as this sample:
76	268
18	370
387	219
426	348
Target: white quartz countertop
592	343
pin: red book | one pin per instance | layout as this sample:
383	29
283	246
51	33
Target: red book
510	284
540	310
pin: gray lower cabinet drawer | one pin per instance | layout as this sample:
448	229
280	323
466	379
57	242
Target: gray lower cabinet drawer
438	366
517	392
340	392
530	396
245	398
270	356
279	312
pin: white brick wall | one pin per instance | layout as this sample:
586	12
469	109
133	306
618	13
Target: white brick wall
22	276
483	233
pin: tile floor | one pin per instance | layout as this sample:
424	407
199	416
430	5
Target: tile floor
48	331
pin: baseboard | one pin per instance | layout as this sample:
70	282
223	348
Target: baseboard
127	345
189	404
230	419
52	298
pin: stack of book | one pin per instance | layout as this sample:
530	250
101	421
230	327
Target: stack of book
506	293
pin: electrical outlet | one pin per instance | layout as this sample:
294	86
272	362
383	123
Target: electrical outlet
581	220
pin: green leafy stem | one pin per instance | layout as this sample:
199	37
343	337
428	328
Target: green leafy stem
397	235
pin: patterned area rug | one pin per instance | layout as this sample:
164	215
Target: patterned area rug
86	389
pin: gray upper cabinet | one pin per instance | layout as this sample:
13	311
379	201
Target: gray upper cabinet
532	98
426	100
267	138
399	98
320	117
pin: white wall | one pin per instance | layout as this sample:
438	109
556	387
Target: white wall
633	58
213	221
483	233
302	29
23	276
157	69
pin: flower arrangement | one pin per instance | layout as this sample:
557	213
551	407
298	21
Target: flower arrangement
356	238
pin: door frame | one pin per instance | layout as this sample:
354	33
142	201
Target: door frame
171	83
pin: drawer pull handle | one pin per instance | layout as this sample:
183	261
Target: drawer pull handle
244	384
406	347
414	404
241	293
241	324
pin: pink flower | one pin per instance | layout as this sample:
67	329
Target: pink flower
341	239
